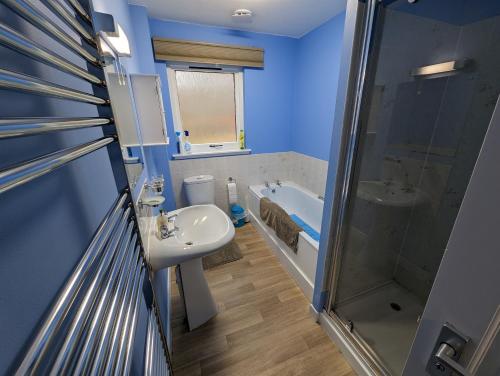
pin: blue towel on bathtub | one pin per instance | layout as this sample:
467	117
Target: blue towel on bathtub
308	229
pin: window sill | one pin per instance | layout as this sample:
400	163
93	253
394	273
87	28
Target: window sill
210	154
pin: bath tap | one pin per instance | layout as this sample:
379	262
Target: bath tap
273	190
278	183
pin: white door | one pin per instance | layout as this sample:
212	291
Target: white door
466	292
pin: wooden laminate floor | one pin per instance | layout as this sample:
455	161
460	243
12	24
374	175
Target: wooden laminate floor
263	327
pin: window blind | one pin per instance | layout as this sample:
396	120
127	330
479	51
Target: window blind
207	53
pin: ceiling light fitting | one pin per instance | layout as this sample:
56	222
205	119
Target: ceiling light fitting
242	13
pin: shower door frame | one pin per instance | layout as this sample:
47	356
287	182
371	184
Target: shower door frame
358	87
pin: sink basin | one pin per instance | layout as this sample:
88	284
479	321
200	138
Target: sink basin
202	230
390	193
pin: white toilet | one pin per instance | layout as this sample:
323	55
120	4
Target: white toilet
200	189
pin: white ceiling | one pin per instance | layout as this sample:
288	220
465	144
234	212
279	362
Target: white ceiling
281	17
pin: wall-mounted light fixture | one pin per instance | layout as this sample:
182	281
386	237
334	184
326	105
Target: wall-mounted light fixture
441	68
115	43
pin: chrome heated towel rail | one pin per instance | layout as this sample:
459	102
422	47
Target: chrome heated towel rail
29	170
32	126
91	325
32	13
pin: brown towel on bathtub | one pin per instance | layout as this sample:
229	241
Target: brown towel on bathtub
278	219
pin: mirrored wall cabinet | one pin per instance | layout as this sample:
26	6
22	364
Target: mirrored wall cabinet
124	112
145	100
150	111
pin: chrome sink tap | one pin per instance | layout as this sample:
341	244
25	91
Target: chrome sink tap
172	232
166	233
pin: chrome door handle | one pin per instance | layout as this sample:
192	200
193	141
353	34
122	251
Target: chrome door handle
447	350
444	355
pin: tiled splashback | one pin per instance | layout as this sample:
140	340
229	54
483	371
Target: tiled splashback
308	172
248	170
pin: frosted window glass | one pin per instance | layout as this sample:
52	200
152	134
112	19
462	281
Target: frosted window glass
207	106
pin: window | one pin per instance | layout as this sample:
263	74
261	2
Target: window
208	104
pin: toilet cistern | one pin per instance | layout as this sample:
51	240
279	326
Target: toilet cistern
200	189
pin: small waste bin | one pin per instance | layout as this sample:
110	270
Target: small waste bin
238	215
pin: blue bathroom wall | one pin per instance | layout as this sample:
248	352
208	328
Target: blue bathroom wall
268	92
142	47
317	74
131	25
46	224
156	156
289	105
326	236
135	22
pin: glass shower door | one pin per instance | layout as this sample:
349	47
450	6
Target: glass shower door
432	84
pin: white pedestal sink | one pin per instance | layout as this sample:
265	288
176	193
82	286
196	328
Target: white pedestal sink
202	229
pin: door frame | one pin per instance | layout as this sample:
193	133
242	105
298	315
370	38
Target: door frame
351	135
342	177
358	41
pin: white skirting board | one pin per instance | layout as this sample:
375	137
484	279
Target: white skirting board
314	314
280	251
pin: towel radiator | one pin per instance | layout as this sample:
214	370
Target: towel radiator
91	326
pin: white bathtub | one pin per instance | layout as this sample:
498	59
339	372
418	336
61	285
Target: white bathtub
306	205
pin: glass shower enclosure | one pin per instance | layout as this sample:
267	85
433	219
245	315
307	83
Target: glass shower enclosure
428	82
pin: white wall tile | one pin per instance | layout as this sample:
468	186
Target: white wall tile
249	170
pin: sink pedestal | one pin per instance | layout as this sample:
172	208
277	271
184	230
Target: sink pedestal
200	231
199	303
